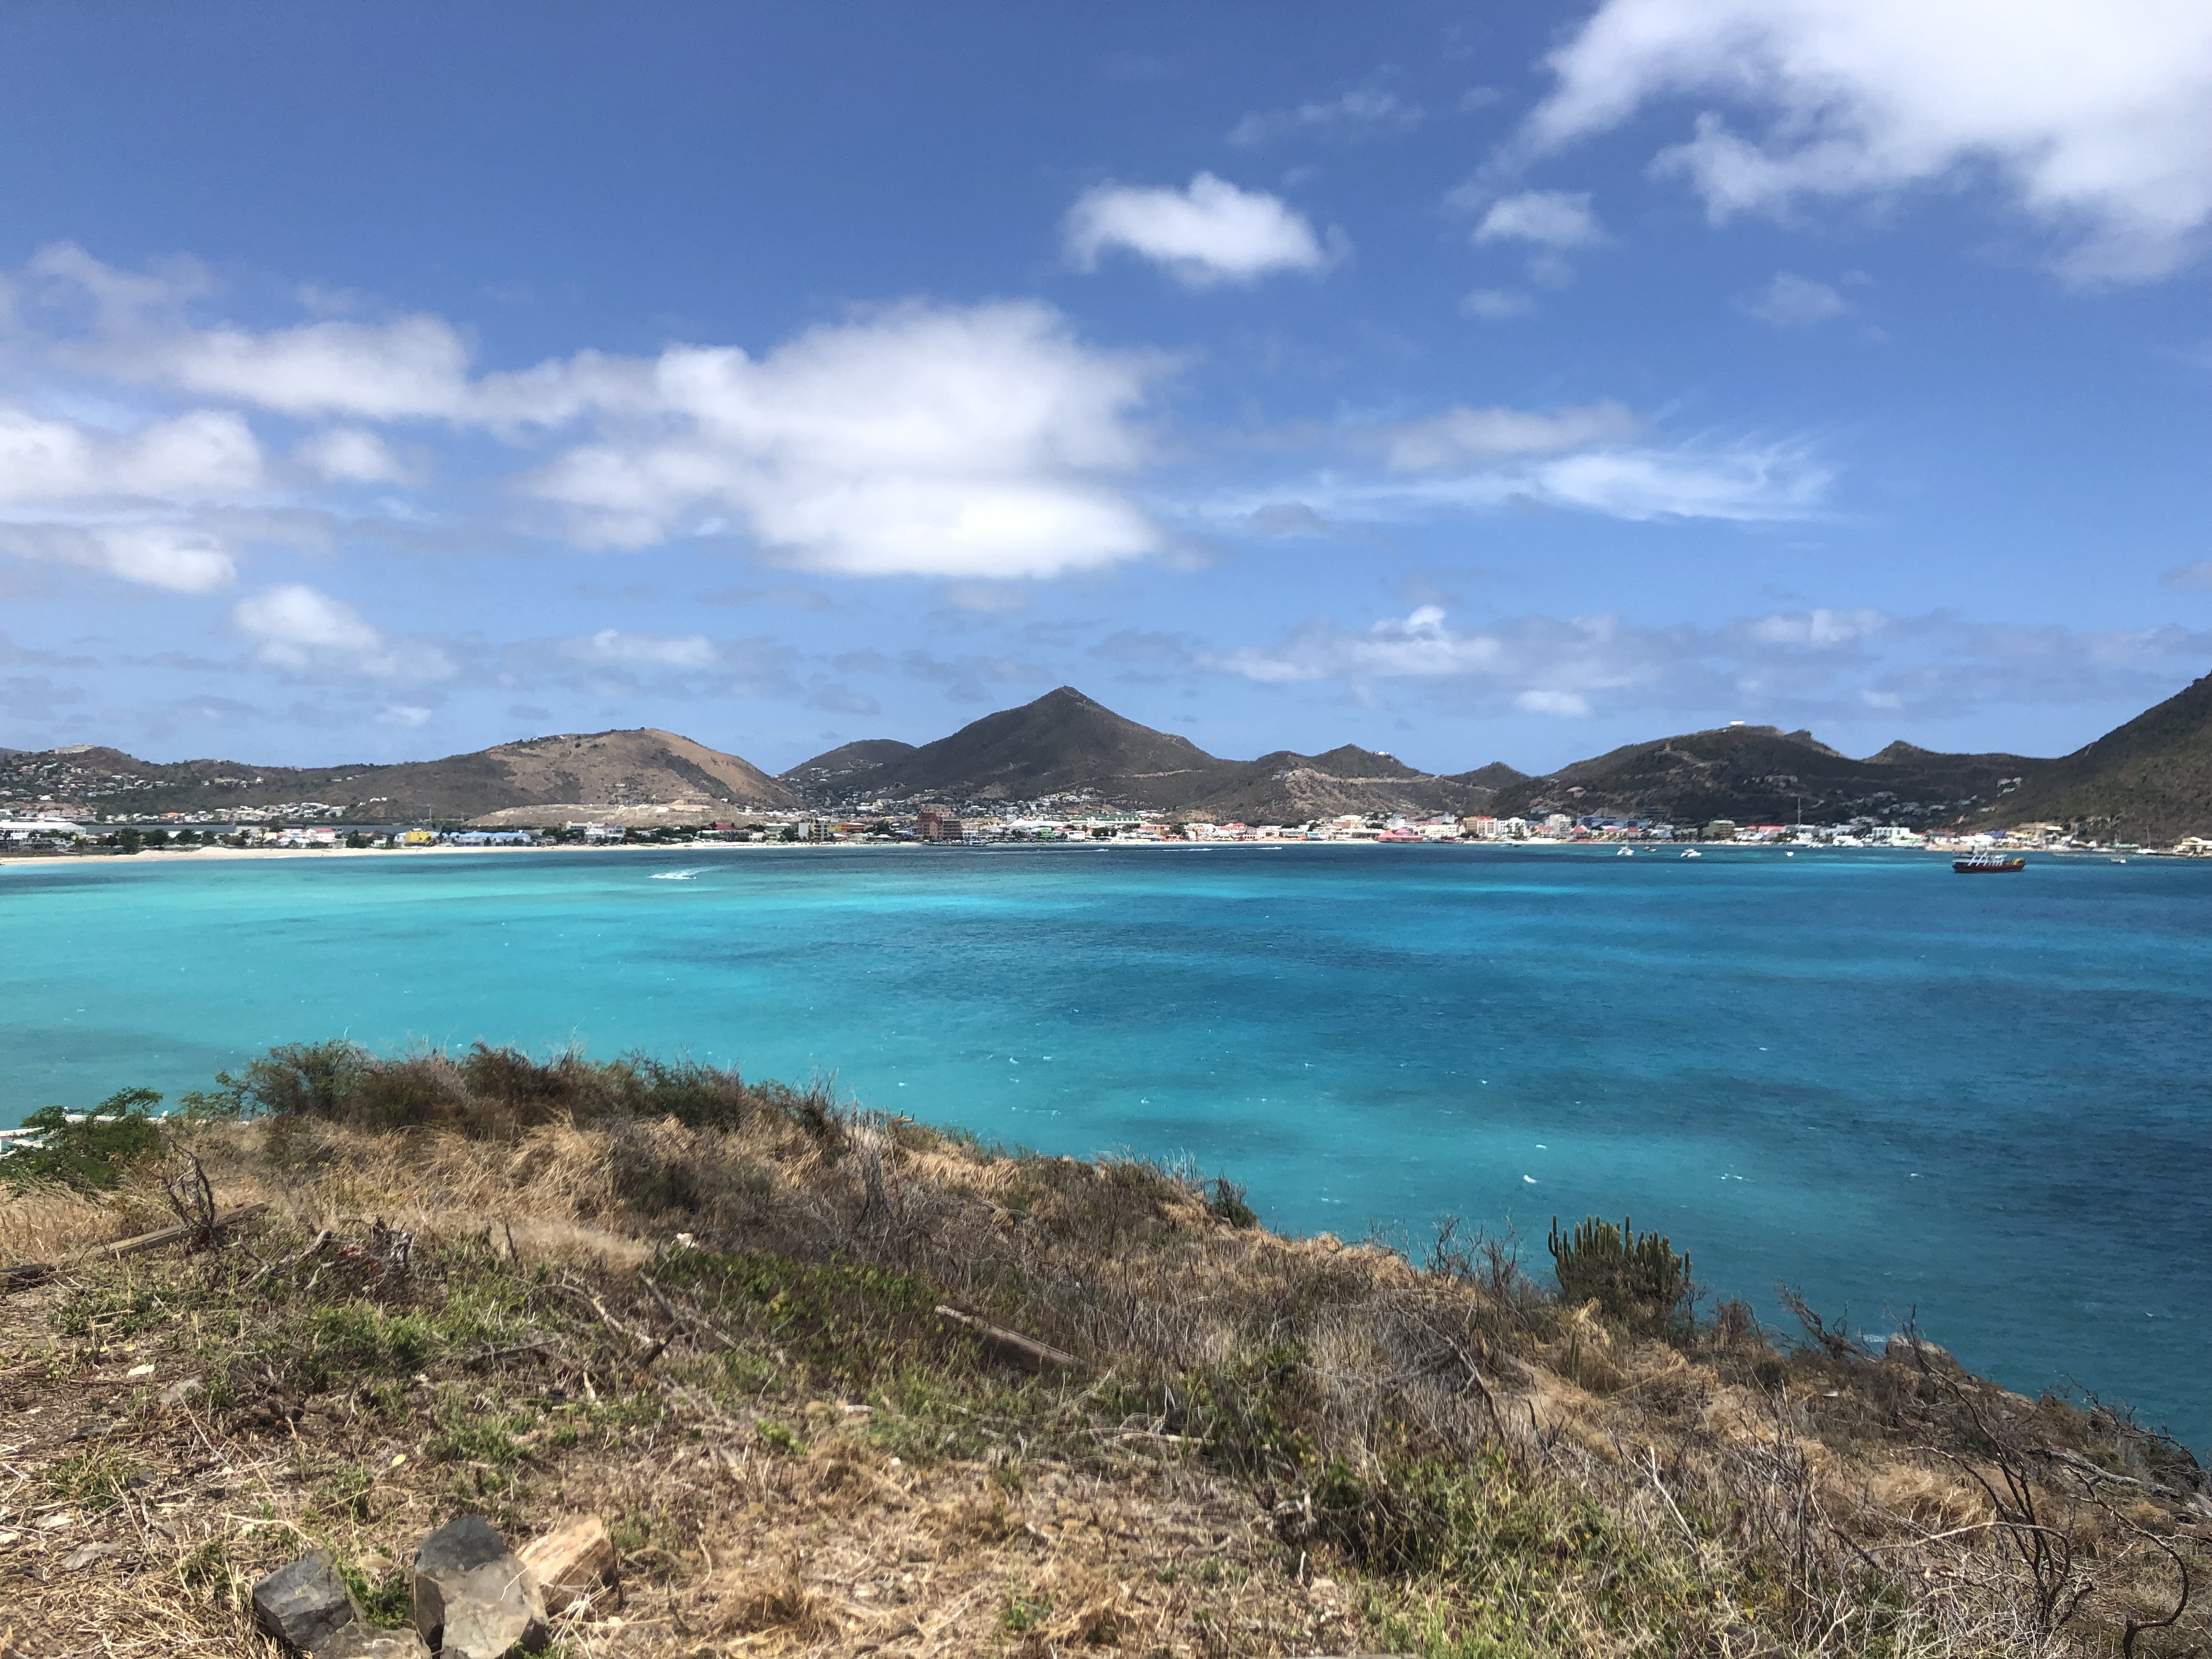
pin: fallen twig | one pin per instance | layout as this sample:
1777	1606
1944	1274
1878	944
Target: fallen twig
1024	1350
26	1274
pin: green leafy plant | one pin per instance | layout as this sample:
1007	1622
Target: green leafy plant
91	1154
1636	1279
1224	1201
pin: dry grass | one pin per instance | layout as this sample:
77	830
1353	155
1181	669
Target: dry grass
1272	1445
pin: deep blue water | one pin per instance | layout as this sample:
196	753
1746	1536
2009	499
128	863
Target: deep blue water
1987	1099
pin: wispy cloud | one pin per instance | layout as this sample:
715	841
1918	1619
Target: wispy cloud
1461	436
613	647
1497	304
1597	457
1833	663
307	632
1789	302
2096	118
1549	218
1365	109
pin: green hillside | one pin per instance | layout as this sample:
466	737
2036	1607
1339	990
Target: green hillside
2149	781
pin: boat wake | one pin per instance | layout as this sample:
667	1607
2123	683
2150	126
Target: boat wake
681	875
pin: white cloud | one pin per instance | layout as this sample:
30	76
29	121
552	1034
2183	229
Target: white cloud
985	599
1790	301
2197	574
1209	233
1820	629
122	502
1830	663
305	631
1369	107
1421	646
1553	218
1495	304
983	442
1461	435
2095	114
206	454
176	557
350	454
1746	484
412	369
1563	705
1575	459
1537	664
611	647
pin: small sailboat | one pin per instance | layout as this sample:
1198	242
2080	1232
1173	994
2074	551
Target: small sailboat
1625	852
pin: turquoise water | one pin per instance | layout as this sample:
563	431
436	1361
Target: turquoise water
1986	1100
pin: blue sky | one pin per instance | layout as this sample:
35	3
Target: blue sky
1473	382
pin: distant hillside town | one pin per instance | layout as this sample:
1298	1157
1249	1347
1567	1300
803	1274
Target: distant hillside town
1066	769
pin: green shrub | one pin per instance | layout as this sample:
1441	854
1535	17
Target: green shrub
1224	1201
486	1093
92	1155
1635	1278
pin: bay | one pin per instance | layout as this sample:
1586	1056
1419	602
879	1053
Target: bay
1981	1101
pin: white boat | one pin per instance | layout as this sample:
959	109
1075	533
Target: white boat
1693	854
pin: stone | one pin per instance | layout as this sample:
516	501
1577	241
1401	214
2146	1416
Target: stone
88	1555
178	1392
1900	1349
305	1604
473	1598
367	1642
574	1562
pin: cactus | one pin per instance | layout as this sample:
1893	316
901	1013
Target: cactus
1639	1280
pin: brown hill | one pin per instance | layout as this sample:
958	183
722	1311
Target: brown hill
1065	743
1287	787
568	773
1496	775
845	768
2149	781
1763	774
1062	743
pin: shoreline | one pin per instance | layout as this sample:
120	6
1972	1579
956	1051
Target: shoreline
1655	849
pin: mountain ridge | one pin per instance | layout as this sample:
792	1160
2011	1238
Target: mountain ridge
2150	779
570	769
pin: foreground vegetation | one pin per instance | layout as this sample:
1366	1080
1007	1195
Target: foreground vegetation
713	1313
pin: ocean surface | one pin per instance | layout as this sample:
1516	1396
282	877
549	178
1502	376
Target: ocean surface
1985	1101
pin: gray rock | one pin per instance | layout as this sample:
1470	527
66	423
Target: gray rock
473	1597
305	1604
178	1392
367	1642
1901	1349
